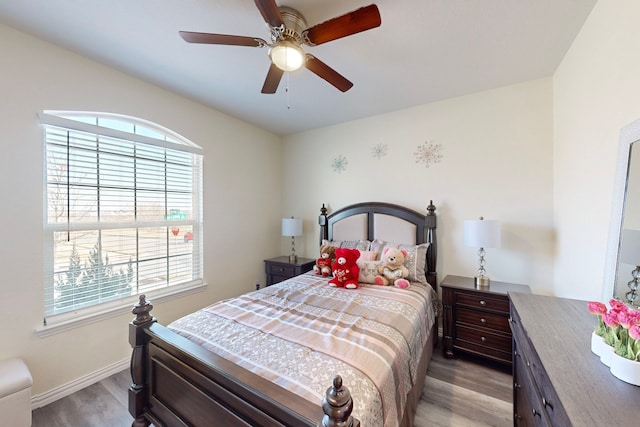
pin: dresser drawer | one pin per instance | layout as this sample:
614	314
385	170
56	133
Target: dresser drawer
547	397
522	344
527	409
483	319
281	270
483	302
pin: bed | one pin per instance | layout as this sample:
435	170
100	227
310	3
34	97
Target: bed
268	367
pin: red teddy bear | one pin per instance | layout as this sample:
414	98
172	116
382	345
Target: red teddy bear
344	268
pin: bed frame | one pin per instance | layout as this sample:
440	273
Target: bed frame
372	213
178	383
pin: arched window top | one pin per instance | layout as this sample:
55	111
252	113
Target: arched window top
135	128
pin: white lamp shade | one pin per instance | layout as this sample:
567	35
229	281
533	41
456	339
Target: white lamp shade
482	233
291	227
630	248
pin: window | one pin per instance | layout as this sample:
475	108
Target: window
122	212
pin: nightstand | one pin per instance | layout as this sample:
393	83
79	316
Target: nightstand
279	268
476	320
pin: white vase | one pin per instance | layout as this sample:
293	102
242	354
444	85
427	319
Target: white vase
606	354
597	344
625	369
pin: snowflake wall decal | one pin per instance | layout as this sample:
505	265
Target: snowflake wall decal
339	164
428	153
379	151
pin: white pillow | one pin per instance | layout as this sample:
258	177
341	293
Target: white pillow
361	245
368	271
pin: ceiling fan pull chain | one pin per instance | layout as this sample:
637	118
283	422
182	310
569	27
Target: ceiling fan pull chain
287	90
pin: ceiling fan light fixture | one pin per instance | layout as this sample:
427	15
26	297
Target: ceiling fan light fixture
287	56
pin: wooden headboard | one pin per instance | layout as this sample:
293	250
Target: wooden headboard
384	221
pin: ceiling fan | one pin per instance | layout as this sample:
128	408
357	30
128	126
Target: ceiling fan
289	31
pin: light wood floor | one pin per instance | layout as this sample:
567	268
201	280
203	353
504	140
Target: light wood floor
457	393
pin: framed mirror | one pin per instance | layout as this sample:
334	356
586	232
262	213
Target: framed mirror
622	275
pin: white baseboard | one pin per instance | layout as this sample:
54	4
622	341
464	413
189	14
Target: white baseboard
64	390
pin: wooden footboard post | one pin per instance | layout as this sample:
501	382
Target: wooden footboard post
138	340
337	406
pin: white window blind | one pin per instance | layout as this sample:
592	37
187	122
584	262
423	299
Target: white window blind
122	211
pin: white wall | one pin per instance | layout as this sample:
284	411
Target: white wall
596	93
241	183
496	162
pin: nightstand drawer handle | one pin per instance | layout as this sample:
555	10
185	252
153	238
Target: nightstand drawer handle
483	339
483	320
546	404
483	302
535	413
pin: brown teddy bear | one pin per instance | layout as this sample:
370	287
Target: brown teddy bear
323	264
392	269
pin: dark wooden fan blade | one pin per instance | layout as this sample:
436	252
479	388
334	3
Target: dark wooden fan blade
273	79
323	71
208	38
270	12
354	22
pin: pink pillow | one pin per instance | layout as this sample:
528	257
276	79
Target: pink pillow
368	256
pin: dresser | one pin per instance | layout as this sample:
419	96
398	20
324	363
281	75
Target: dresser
279	268
557	381
476	321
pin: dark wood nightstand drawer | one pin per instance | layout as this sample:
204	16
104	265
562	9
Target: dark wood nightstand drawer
484	338
483	302
281	270
483	319
489	353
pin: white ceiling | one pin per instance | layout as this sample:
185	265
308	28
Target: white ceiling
424	51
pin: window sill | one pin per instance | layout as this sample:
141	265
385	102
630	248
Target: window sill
76	319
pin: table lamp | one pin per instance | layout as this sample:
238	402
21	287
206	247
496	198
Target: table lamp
292	227
482	233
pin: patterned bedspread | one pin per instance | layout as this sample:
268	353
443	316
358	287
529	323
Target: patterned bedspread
301	332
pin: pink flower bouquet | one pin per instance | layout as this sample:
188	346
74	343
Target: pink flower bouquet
619	327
